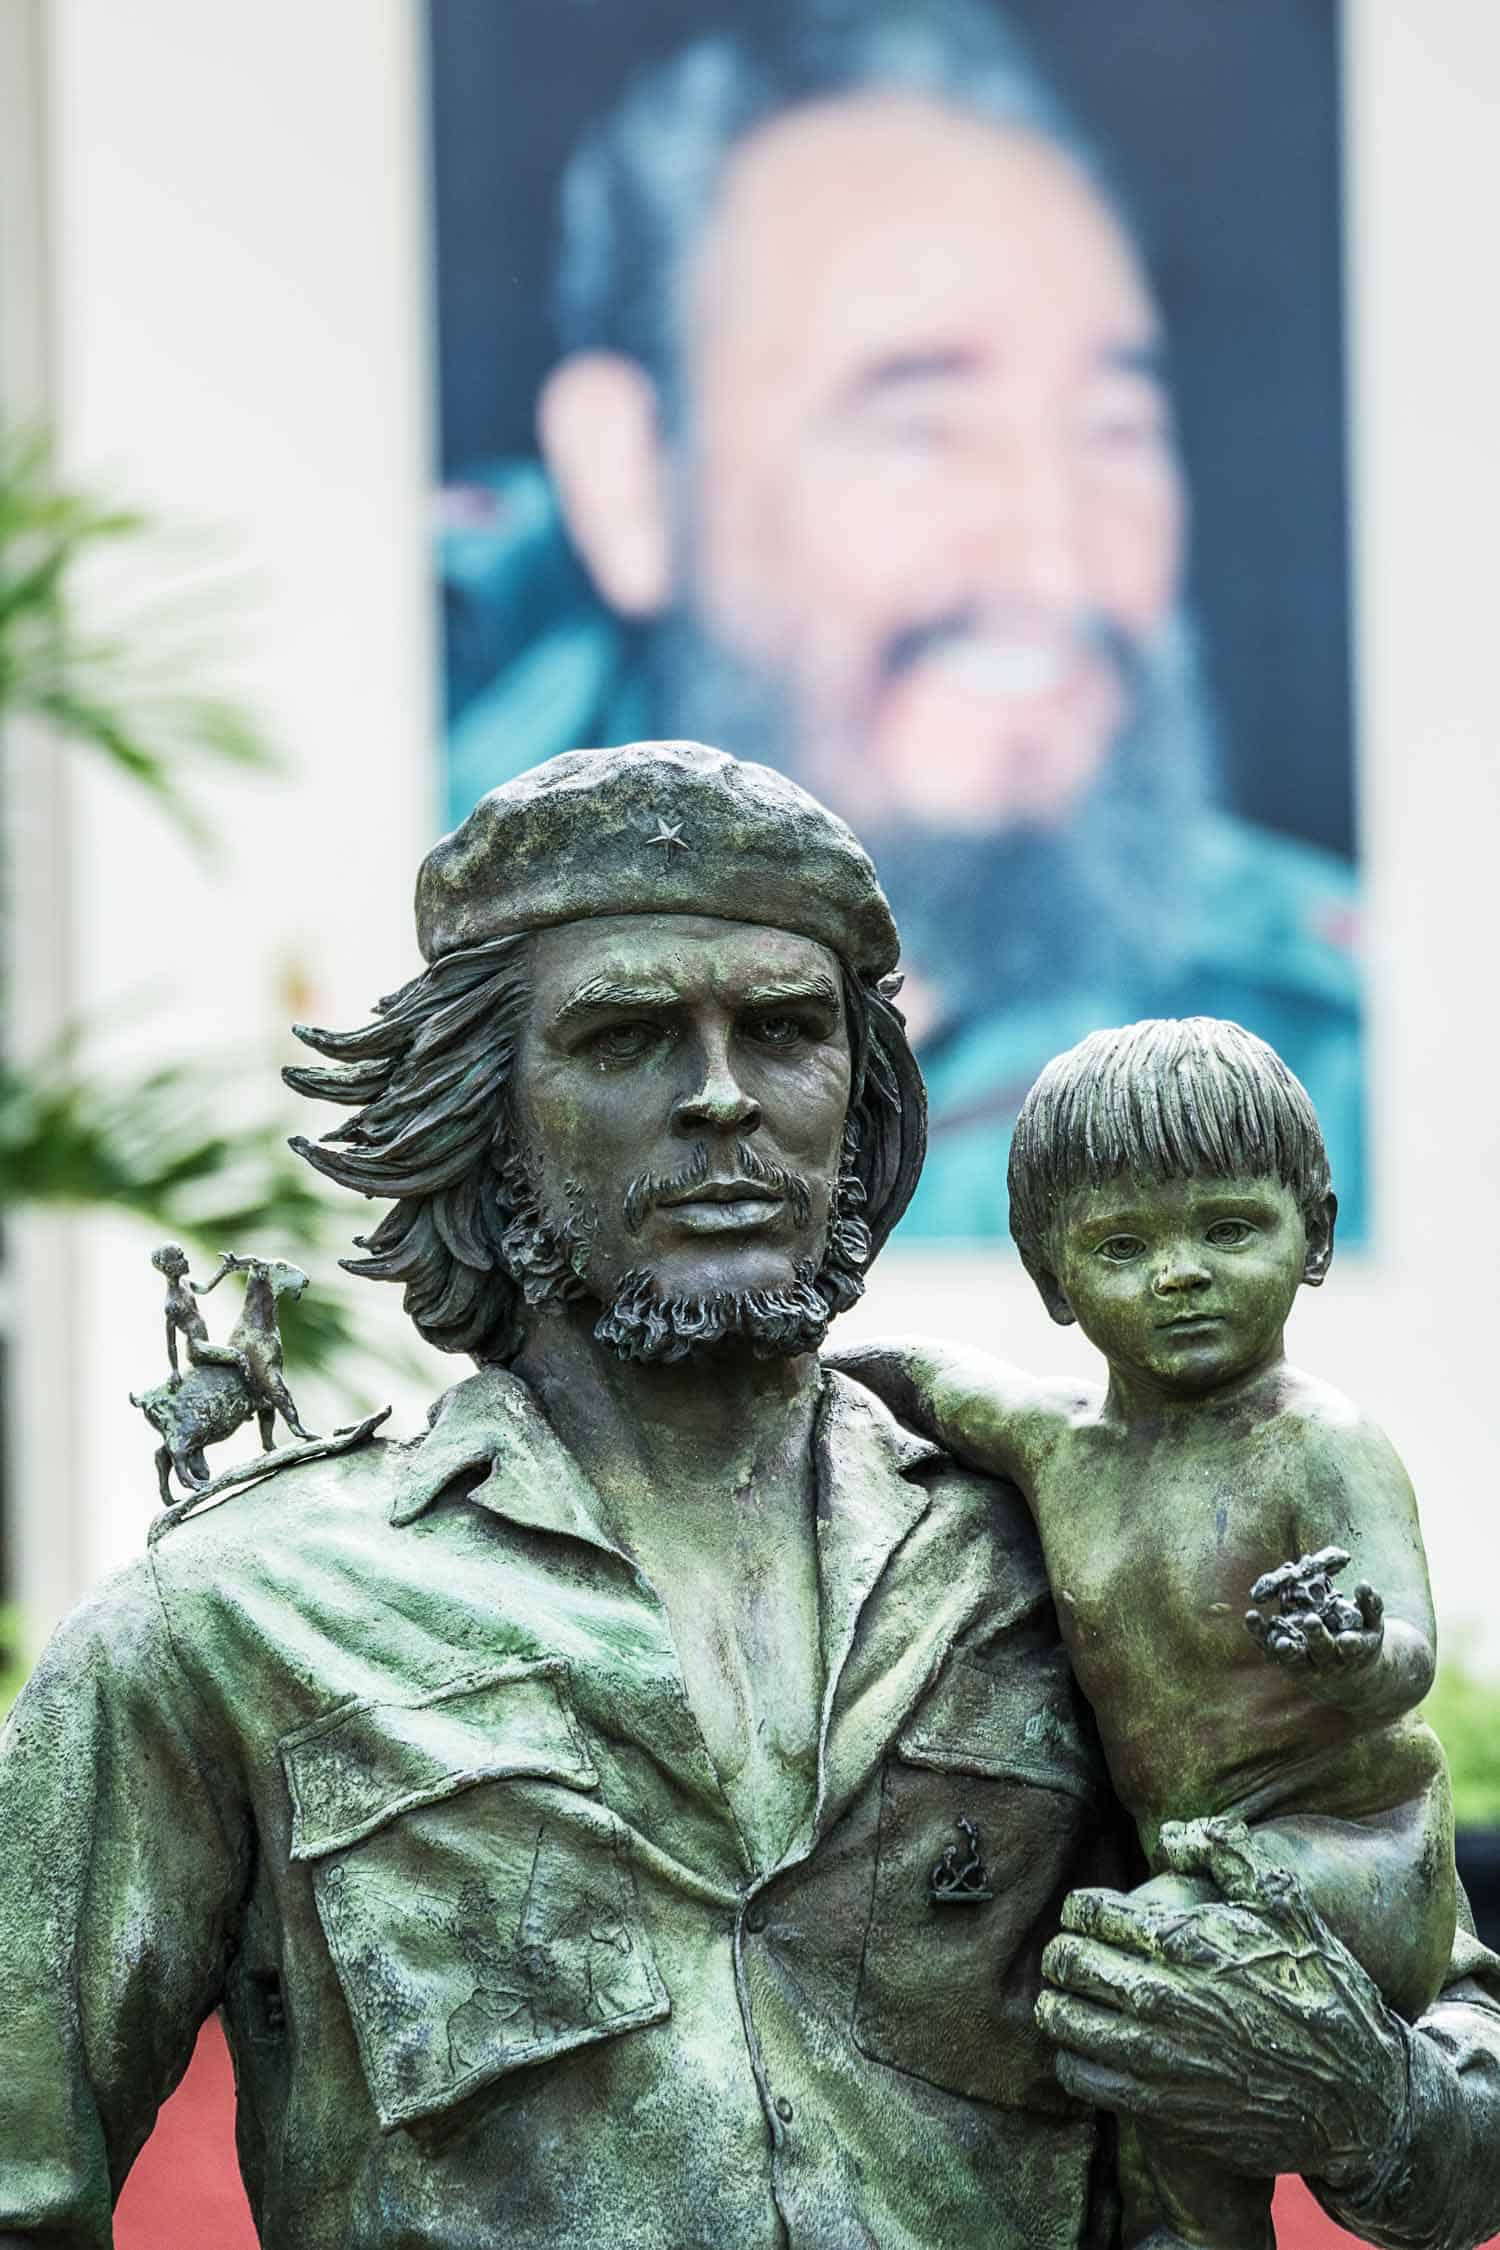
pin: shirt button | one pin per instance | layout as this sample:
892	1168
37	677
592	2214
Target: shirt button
756	1919
784	2109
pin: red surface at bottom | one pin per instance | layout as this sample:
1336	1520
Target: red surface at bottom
185	2192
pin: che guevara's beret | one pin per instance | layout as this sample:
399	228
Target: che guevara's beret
654	828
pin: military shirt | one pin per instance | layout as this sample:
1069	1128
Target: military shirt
389	1759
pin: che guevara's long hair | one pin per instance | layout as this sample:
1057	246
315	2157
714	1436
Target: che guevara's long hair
435	1133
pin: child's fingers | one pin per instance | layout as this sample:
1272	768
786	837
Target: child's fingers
1322	1651
1371	1606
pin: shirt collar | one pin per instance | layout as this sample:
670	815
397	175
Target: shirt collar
493	1421
866	1462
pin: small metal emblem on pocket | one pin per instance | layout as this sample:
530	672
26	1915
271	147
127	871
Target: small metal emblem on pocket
956	1882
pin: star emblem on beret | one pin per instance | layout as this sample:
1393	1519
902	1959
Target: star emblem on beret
669	837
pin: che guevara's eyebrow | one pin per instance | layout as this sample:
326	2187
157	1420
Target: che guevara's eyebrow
787	992
606	995
897	371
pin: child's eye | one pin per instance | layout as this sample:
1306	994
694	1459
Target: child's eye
1119	1249
1227	1234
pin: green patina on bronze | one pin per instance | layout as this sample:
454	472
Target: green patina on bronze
563	1807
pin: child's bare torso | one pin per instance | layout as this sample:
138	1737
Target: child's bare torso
1154	1533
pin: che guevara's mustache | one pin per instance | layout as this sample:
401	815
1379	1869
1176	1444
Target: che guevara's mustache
651	1189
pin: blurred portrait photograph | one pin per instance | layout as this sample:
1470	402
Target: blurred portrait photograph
943	402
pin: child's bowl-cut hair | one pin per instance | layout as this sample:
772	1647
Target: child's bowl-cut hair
1173	1098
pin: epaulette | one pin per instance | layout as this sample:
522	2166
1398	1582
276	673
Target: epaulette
266	1465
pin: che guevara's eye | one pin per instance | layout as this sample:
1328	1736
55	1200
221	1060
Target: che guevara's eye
1229	1234
1119	1249
621	1043
777	1031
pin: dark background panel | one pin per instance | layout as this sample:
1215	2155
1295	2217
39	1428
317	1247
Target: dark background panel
1220	120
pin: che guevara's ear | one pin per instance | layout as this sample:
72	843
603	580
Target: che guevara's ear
1319	1223
599	430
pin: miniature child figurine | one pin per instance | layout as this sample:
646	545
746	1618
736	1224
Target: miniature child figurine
184	1317
1170	1192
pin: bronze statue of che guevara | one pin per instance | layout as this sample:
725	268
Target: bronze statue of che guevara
654	1807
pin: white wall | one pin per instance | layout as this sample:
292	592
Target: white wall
239	327
240	331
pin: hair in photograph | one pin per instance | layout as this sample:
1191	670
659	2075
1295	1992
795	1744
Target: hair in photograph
637	191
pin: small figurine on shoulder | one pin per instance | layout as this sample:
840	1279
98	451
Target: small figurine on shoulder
185	1319
226	1383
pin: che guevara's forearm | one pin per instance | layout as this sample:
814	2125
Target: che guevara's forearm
124	1862
1438	2188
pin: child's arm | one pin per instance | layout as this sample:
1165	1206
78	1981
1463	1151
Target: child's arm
1373	1650
985	1413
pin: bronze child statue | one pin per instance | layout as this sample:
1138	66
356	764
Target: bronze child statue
1170	1193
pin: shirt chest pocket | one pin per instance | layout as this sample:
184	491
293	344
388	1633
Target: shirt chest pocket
475	1895
988	1812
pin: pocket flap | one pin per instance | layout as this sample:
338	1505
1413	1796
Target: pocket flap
362	1765
1020	1722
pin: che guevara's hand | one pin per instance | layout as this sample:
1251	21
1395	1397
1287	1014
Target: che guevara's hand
1331	1640
1237	2022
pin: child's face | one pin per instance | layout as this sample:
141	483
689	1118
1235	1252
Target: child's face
1184	1284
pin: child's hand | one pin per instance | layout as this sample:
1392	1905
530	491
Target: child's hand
1333	1642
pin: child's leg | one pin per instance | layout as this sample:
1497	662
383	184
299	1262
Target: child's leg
1384	1884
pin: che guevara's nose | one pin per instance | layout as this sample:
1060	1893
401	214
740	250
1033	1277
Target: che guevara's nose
715	1099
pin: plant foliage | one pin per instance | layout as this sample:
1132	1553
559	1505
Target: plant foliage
156	1147
70	1136
1463	1711
120	693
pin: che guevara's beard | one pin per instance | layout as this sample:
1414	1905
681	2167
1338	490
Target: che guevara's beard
642	1322
1108	895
